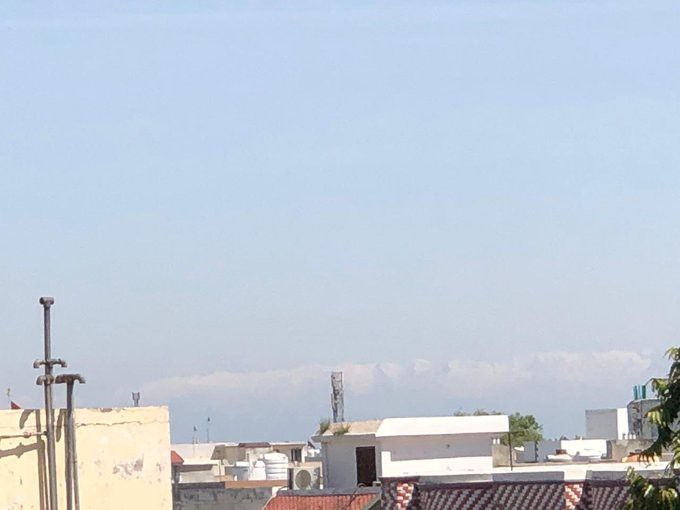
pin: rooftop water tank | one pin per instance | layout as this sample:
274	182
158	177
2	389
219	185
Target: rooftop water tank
241	470
276	466
258	472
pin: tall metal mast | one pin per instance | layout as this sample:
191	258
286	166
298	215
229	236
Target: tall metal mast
46	381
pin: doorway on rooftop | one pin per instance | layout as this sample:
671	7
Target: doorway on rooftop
365	456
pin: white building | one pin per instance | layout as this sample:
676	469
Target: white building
362	452
607	423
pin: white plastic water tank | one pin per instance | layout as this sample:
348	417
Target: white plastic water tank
258	472
276	466
241	470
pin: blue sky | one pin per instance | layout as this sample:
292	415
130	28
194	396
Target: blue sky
463	204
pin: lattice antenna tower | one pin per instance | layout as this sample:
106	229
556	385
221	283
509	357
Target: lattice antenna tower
337	397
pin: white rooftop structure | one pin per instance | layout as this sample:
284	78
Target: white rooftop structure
607	423
196	453
575	471
443	425
361	452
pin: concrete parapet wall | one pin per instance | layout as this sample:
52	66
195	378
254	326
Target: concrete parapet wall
619	449
123	459
223	498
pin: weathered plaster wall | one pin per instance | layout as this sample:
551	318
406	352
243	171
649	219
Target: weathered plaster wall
618	450
123	459
339	460
500	454
606	423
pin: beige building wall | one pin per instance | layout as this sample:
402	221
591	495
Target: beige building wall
123	459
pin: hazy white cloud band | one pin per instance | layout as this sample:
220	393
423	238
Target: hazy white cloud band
455	377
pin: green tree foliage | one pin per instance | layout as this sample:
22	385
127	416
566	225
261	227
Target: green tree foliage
324	425
643	495
524	428
478	412
662	495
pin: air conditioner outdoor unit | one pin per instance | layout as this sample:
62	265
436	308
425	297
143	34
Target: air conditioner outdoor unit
300	478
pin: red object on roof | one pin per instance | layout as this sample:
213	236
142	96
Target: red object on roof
176	458
317	501
14	405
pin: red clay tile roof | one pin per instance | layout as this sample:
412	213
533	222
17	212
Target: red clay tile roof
175	458
318	501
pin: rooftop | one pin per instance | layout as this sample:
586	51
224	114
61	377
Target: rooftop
422	426
355	428
552	471
192	452
443	425
327	499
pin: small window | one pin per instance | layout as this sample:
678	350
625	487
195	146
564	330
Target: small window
296	455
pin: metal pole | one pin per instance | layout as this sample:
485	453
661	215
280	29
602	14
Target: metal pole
510	448
72	442
47	302
69	446
72	489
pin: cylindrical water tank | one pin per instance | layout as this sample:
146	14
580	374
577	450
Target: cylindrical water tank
241	470
258	472
276	466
